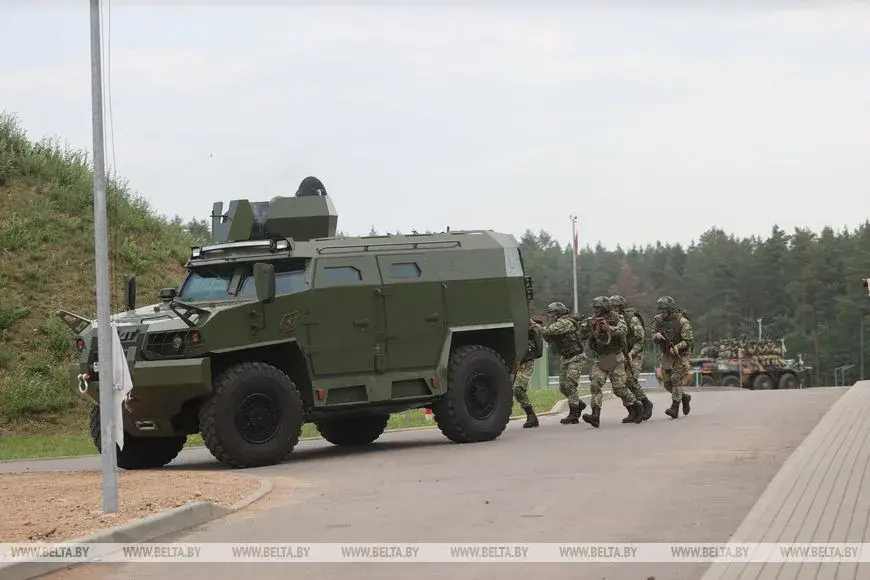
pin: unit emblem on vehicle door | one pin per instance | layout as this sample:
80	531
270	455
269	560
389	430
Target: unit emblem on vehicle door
288	323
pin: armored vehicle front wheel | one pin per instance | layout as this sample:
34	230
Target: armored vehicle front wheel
353	431
479	399
139	452
253	417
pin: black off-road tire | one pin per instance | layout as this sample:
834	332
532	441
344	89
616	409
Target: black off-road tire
731	381
490	373
789	381
219	415
353	431
139	452
763	382
708	381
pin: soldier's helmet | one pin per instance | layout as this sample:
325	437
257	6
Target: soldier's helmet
601	304
618	302
556	309
666	304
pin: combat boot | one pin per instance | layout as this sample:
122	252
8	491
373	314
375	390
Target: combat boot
647	409
687	398
593	418
638	411
674	410
531	418
573	416
631	414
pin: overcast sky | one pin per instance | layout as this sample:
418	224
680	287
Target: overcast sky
652	124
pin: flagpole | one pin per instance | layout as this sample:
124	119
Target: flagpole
574	256
101	259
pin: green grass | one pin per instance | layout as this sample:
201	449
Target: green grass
76	441
47	263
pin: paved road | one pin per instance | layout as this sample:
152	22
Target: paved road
690	480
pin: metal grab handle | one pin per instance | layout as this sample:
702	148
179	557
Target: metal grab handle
361	322
432	318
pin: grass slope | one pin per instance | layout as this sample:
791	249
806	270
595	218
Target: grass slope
47	263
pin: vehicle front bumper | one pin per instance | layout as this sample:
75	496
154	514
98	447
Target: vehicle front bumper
160	389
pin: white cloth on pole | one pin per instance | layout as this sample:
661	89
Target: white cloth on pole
122	384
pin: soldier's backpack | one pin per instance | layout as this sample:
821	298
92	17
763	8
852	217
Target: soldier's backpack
536	343
630	338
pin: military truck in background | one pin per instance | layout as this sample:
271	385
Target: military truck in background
279	322
720	368
757	376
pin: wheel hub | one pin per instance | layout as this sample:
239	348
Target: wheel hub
258	418
480	397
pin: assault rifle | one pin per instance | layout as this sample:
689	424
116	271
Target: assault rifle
666	344
539	318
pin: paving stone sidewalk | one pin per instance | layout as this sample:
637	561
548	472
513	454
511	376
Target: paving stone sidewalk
821	495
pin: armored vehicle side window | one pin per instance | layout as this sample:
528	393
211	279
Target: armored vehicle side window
404	270
289	278
338	275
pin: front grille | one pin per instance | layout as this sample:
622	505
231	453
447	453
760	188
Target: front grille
163	344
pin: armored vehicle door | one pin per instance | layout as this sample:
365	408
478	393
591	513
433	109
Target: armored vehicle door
414	312
344	315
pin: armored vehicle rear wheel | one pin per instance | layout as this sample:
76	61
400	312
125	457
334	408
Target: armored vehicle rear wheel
730	381
139	452
353	431
762	383
253	417
479	399
708	381
788	381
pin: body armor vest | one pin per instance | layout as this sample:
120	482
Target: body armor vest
568	345
670	327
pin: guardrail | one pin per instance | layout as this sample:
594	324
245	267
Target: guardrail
645	380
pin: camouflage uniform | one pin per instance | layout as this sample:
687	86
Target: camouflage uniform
563	334
672	324
634	352
607	341
524	375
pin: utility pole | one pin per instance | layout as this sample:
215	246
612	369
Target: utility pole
101	259
576	245
759	328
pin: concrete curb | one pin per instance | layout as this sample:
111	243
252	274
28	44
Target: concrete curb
191	514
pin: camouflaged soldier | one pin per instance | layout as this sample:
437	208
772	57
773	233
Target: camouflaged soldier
607	338
524	374
563	334
634	341
673	332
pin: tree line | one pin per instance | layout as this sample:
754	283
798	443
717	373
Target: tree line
805	286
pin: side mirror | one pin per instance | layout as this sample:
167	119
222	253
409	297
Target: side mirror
168	294
131	293
264	281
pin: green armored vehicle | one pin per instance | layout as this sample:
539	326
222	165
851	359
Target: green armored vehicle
279	322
